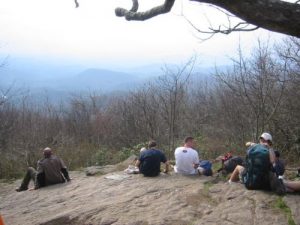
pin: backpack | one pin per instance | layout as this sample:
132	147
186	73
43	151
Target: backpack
230	164
258	166
207	166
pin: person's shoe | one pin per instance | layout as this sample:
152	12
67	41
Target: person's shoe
21	189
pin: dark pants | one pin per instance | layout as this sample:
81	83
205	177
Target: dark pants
30	175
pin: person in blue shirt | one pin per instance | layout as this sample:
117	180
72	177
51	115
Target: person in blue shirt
150	159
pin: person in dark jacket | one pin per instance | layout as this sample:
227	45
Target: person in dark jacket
50	170
150	159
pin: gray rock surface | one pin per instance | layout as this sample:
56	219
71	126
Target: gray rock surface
136	200
100	170
293	201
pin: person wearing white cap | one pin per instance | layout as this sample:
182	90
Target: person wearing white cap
50	170
264	139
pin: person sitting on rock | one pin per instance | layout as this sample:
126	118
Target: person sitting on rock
265	139
150	159
187	158
50	170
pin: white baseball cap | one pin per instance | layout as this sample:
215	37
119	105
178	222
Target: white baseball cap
47	149
266	136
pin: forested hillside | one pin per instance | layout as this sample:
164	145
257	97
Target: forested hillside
257	93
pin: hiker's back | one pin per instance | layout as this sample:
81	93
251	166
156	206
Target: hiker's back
52	168
185	158
150	162
257	168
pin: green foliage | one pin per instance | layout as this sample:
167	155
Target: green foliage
10	168
206	148
105	155
126	152
207	186
280	204
100	157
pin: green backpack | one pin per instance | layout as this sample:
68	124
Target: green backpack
258	167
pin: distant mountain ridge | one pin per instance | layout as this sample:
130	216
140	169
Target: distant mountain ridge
58	79
103	79
86	79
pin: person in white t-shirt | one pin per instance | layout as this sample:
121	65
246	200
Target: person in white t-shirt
187	158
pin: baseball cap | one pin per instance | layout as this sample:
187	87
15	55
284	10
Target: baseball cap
266	137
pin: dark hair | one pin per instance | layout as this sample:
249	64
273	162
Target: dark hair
277	153
151	144
187	139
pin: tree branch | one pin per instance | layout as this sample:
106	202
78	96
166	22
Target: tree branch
239	27
76	3
132	14
274	15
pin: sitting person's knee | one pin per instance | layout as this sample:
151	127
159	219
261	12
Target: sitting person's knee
240	168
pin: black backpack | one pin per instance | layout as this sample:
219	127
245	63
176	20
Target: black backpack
230	164
258	167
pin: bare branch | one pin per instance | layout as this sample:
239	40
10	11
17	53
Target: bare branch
135	6
239	27
76	3
132	14
242	26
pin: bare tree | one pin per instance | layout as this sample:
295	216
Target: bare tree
257	86
172	94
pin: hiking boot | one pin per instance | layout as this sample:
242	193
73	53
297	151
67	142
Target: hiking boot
21	189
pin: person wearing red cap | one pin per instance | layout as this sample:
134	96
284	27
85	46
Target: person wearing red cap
50	170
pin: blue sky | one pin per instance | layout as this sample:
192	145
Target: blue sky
94	36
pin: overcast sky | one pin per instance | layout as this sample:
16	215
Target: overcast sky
92	34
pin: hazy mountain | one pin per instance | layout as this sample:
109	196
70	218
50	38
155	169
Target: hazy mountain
100	79
57	79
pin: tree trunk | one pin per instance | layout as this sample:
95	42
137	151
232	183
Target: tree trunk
273	15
